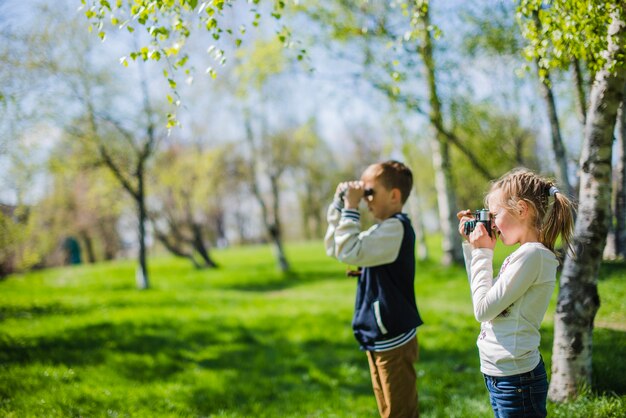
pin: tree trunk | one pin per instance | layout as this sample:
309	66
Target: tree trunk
200	247
620	189
88	243
557	141
578	299
581	102
415	208
272	226
275	229
446	197
141	274
172	247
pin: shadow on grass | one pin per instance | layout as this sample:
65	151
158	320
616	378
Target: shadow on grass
610	269
609	367
34	310
609	350
252	365
278	281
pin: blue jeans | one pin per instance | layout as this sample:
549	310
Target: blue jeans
521	395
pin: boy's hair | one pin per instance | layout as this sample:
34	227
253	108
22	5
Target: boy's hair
552	212
394	175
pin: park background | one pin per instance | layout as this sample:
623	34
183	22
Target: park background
187	186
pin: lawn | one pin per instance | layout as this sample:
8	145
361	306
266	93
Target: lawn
244	341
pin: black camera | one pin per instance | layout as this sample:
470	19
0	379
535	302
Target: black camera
366	193
483	216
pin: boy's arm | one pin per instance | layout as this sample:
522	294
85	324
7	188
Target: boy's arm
332	216
378	245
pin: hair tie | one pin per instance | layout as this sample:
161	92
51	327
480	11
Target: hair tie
553	190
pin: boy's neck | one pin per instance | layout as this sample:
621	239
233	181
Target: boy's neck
391	212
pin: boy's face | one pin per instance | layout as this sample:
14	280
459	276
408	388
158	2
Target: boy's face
382	203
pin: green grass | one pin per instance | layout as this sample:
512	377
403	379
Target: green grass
243	341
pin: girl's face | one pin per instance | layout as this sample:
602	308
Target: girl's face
512	225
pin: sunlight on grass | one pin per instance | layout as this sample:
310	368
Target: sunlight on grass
246	341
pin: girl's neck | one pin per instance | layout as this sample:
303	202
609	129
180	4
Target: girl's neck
530	236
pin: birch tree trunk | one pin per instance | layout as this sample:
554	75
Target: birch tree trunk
620	189
578	299
446	197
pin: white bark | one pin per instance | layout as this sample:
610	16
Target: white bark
578	299
620	189
446	198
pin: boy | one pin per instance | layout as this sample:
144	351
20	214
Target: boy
386	315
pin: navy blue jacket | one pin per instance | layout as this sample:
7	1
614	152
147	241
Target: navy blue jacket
385	300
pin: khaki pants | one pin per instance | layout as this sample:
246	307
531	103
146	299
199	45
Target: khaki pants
394	380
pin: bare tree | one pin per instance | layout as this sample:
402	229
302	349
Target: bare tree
270	156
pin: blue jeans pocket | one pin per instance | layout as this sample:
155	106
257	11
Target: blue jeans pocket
519	395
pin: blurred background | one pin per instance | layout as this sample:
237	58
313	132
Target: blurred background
109	150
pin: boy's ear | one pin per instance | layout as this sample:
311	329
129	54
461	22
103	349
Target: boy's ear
396	194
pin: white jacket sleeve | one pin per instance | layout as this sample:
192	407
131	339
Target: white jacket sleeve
377	246
491	298
332	216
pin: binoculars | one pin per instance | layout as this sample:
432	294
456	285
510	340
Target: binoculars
480	216
366	193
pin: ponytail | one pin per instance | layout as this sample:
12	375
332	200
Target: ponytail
559	220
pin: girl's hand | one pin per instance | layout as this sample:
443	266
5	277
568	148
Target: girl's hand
479	238
464	216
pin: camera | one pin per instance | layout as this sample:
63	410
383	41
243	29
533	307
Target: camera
480	216
366	193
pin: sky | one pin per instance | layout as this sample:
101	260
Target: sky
342	104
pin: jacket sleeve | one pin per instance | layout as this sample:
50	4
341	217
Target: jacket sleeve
377	246
332	217
491	298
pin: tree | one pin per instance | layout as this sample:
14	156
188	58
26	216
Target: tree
620	178
188	207
270	156
122	143
84	202
560	155
499	34
317	178
272	148
391	43
170	24
498	139
596	32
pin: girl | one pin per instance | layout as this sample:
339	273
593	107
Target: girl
529	210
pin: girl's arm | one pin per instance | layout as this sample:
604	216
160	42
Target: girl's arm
491	298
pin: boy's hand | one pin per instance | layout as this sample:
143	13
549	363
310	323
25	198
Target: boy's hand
354	192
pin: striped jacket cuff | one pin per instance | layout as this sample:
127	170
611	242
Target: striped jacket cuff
350	214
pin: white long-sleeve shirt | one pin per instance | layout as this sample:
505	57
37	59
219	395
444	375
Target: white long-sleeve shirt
511	306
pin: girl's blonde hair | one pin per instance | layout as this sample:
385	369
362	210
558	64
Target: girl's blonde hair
552	213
